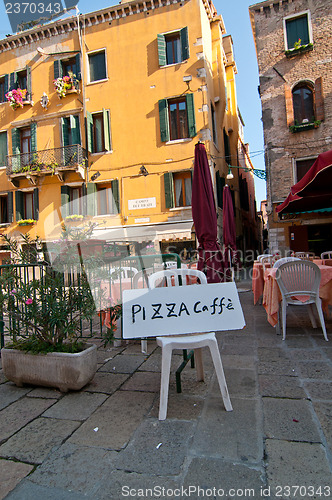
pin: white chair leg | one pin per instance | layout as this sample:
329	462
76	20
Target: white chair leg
144	346
321	318
164	383
311	316
199	364
215	354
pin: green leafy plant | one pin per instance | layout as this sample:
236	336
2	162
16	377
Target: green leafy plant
24	222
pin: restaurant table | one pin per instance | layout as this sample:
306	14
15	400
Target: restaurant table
272	295
257	282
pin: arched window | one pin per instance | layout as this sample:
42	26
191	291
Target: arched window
303	103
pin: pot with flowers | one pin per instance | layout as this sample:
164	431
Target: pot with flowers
65	83
42	310
16	97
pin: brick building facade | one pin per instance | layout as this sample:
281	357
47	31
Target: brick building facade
294	45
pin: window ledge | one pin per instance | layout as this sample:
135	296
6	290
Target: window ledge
175	209
179	141
174	64
304	126
301	50
97	81
5	224
102	153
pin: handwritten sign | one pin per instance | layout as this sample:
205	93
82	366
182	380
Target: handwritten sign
178	310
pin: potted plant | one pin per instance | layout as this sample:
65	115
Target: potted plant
42	314
65	83
113	322
16	97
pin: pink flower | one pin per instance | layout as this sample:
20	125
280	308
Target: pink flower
13	291
28	302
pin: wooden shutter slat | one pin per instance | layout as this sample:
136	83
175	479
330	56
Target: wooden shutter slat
36	204
184	43
106	121
89	122
116	194
19	205
191	114
169	190
163	120
161	50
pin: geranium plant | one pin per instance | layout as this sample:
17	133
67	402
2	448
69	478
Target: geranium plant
64	83
16	97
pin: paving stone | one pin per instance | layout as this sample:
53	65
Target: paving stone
287	465
239	382
289	419
315	369
328	353
238	349
112	425
233	435
11	474
280	386
281	367
19	413
298	341
37	439
122	484
319	390
27	490
208	473
272	340
76	406
180	406
306	354
10	393
238	361
105	382
74	468
45	392
157	448
143	381
237	337
153	362
123	363
271	354
324	414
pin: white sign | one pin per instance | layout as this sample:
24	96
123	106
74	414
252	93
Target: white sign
142	203
189	309
142	220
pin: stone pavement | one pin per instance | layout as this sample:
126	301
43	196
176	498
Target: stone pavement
106	442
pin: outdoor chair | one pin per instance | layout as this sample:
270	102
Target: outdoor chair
283	260
267	261
259	257
305	255
326	255
178	277
128	272
299	285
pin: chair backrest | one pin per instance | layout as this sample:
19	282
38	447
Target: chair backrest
283	260
144	275
128	272
176	277
326	255
260	257
304	255
298	278
267	261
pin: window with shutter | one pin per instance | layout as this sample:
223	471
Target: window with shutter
303	103
3	148
99	139
4	80
297	31
178	188
72	200
6	208
177	118
108	198
70	130
27	205
97	66
173	48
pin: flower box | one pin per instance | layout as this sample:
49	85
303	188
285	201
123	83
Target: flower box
304	126
299	50
26	222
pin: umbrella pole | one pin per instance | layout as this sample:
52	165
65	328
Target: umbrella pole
230	263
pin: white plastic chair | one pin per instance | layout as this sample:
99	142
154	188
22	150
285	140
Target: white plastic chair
176	277
300	278
259	257
128	272
283	260
305	255
326	255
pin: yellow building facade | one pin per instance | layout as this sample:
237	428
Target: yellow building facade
105	133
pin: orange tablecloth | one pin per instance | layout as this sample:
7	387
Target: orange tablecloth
272	295
257	282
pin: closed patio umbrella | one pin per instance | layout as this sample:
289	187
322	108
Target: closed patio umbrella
229	233
210	257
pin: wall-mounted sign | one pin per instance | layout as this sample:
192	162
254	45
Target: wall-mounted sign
142	220
193	309
141	203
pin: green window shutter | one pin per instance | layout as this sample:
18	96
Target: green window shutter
191	114
65	135
33	128
163	119
161	50
107	135
184	43
6	83
91	191
89	122
10	206
83	203
19	205
65	201
169	190
297	29
78	66
3	148
57	67
12	81
75	129
116	194
16	141
36	204
29	92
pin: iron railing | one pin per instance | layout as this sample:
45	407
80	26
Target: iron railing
47	160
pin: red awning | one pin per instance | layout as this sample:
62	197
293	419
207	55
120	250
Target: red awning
314	191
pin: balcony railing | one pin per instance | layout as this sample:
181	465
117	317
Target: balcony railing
47	161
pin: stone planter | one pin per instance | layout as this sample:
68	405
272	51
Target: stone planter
65	371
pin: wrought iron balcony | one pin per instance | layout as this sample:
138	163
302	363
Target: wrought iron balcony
55	161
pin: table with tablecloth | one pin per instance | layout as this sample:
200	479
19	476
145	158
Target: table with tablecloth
257	282
272	295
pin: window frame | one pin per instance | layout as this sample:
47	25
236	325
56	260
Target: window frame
6	199
293	17
164	118
106	131
92	53
296	161
183	35
21	208
3	133
170	191
300	87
